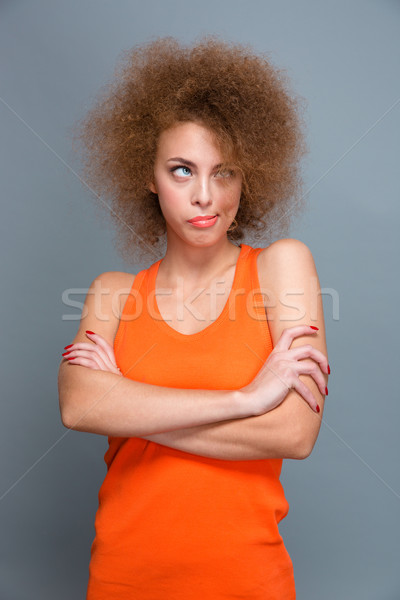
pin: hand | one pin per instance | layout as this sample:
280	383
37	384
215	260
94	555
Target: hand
98	355
280	373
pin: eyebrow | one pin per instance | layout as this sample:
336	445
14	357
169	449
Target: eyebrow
189	163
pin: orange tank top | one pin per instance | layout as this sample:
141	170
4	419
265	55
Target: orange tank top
177	526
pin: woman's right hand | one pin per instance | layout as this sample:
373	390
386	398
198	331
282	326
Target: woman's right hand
280	373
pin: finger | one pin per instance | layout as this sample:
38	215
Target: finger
96	360
109	350
86	350
97	347
290	333
84	362
93	362
92	356
306	393
310	367
87	347
308	351
80	346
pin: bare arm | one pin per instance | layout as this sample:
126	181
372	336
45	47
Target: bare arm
291	429
103	402
100	401
276	434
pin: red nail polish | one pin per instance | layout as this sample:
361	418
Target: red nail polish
316	328
329	370
91	332
65	353
317	408
69	346
70	357
326	391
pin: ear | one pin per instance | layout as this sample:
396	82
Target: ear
152	187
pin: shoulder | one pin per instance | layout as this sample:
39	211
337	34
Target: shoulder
107	295
283	261
103	305
112	289
290	285
114	279
287	249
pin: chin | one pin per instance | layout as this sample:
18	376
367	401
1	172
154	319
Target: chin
206	241
204	238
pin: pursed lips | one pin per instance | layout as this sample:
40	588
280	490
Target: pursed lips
202	218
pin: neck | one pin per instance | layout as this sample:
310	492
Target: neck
197	263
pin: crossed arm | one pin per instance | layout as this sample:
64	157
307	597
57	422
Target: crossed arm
288	431
224	428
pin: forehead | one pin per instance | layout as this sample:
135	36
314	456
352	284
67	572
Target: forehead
189	140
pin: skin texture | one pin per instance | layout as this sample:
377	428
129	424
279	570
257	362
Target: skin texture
291	429
275	416
188	188
239	95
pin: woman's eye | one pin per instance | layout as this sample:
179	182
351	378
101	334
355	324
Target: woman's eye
225	173
182	171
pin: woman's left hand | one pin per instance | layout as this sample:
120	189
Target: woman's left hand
98	355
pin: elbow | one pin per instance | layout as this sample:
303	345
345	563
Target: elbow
68	419
72	419
71	407
64	398
303	447
65	421
71	403
74	414
302	452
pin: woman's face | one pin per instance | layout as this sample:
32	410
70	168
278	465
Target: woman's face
198	200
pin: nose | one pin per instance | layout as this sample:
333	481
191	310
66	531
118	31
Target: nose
202	194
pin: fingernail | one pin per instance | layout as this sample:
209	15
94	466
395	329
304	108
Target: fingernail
316	328
317	408
70	357
91	332
329	370
65	353
326	391
69	346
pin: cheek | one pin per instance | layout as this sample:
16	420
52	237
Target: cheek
164	192
168	200
232	199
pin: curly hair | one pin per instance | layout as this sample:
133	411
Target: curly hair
226	87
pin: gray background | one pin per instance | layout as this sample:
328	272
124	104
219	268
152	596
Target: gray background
343	527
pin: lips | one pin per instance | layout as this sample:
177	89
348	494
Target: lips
203	221
202	218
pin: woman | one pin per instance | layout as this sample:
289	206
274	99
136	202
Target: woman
203	370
